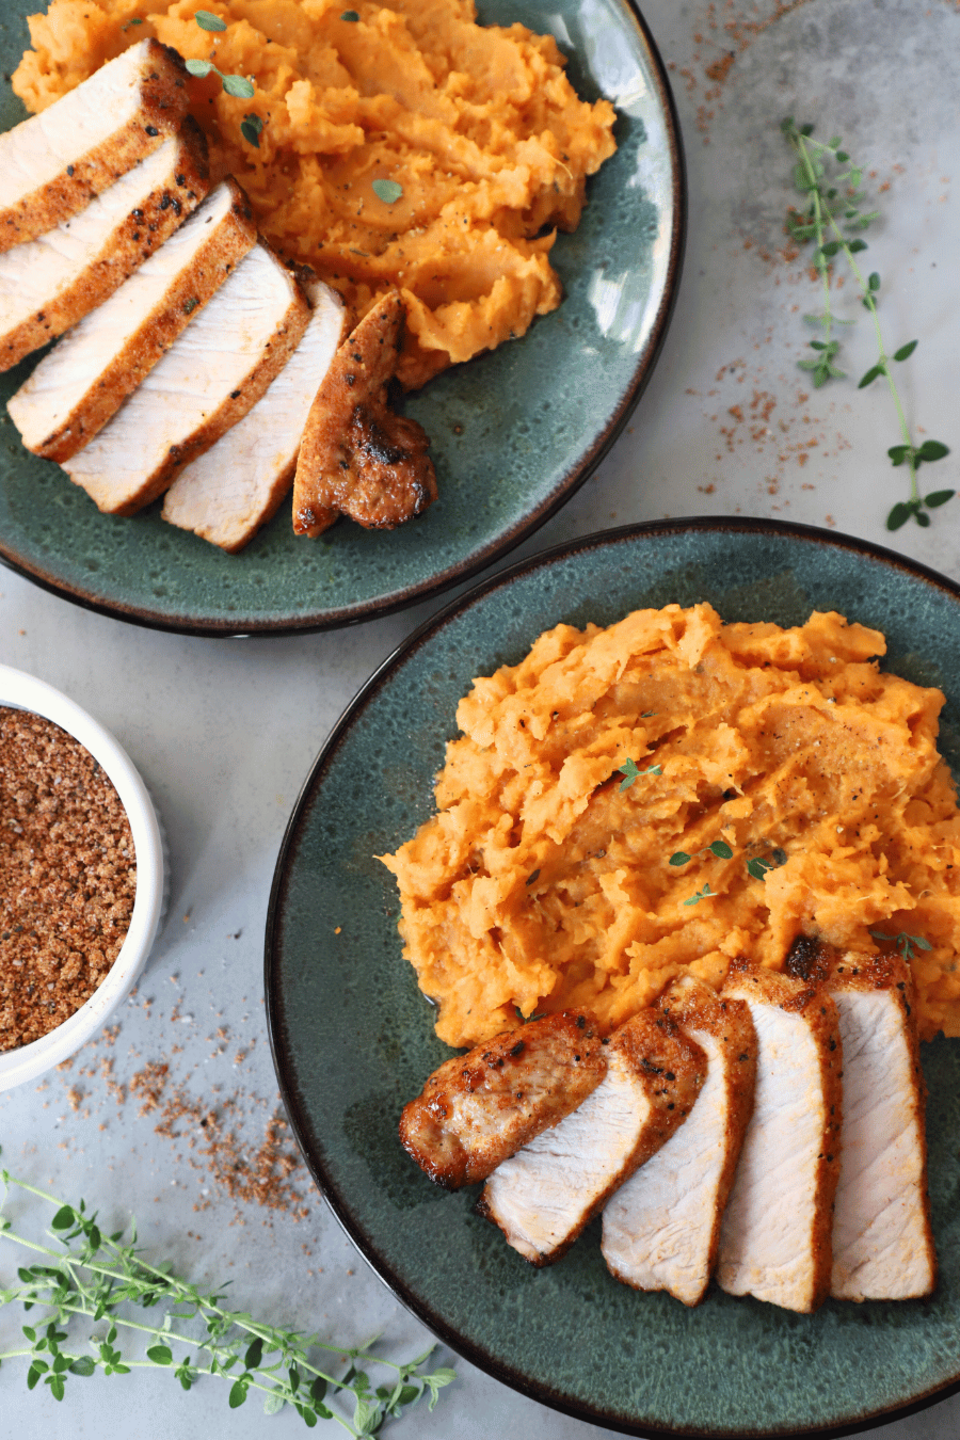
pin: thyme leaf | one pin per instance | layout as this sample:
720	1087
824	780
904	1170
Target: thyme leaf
389	191
208	21
251	128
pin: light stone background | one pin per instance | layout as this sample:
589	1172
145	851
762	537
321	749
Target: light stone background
225	732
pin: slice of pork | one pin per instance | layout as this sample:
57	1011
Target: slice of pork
358	458
478	1109
775	1235
661	1229
75	389
545	1194
882	1241
237	485
50	283
53	164
210	377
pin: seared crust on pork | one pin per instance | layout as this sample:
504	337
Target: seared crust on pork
478	1109
50	283
358	458
53	164
544	1196
226	494
661	1230
775	1240
216	371
75	389
882	1240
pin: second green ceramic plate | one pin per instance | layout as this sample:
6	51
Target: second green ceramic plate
353	1037
513	433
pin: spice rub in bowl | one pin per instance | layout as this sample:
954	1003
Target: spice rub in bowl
68	876
628	804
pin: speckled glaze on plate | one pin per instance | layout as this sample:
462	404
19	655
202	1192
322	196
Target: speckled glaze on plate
513	433
353	1037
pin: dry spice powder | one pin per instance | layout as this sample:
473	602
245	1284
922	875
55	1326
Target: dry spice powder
67	876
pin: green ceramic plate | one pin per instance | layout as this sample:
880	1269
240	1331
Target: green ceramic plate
514	433
353	1038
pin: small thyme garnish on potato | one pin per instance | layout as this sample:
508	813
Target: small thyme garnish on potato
389	191
630	772
236	85
720	848
251	128
906	944
758	867
703	894
208	21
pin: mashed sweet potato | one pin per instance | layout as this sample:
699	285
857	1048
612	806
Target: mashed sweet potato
478	125
550	878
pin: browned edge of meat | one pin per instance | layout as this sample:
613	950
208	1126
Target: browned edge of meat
164	101
143	230
696	1006
285	339
820	1014
815	962
359	458
674	1067
477	1109
669	1068
185	298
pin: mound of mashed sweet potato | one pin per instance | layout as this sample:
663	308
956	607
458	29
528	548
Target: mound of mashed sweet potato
551	878
478	125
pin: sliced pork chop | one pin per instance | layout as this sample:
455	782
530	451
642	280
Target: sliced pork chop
547	1192
210	377
53	164
237	485
50	283
661	1229
775	1235
478	1109
75	389
358	458
882	1241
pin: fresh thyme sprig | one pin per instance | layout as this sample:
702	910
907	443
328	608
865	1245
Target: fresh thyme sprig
757	866
251	127
631	771
703	894
97	1276
906	944
720	848
832	220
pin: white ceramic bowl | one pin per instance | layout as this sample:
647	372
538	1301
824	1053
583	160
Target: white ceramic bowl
24	692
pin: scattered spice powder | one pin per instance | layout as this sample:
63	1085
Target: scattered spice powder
266	1175
149	1084
67	876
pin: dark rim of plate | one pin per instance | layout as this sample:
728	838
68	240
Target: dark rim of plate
502	544
367	695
